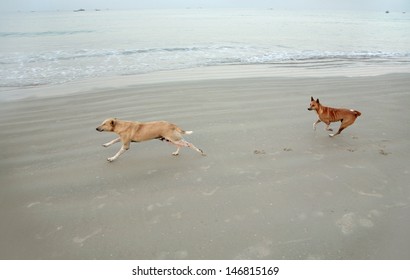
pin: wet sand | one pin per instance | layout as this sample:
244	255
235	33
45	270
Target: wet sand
269	188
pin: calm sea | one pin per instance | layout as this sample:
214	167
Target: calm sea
57	47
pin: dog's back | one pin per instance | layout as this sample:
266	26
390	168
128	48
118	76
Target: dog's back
143	131
329	114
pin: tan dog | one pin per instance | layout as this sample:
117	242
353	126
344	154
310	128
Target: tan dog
328	115
139	131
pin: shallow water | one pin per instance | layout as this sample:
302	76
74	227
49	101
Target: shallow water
57	47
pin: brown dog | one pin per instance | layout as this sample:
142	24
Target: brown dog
328	115
138	131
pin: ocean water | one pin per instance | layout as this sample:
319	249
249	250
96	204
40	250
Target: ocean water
42	48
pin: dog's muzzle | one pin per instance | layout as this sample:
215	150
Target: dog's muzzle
310	109
99	129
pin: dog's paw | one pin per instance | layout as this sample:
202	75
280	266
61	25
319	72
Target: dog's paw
175	154
329	129
331	135
111	159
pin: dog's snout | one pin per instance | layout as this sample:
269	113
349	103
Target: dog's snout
310	108
98	129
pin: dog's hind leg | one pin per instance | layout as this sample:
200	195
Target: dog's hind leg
176	152
345	123
183	143
190	145
338	132
327	128
112	142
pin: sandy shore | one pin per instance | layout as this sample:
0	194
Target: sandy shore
269	188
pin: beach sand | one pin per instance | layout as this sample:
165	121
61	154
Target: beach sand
269	188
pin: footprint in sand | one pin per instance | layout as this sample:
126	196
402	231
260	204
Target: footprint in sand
347	223
350	221
383	152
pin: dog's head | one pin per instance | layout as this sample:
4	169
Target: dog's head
107	125
314	104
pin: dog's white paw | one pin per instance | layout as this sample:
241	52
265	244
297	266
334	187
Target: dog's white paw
331	135
105	145
111	159
175	154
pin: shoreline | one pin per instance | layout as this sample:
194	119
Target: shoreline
195	74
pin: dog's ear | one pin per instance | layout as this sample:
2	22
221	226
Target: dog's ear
113	122
311	98
317	100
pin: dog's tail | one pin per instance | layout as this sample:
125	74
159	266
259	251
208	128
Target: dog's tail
357	113
180	130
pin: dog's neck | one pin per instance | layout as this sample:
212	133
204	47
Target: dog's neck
320	108
124	126
324	110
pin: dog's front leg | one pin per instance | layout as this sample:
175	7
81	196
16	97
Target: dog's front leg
120	152
315	124
112	142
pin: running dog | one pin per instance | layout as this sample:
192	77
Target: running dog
129	131
328	115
